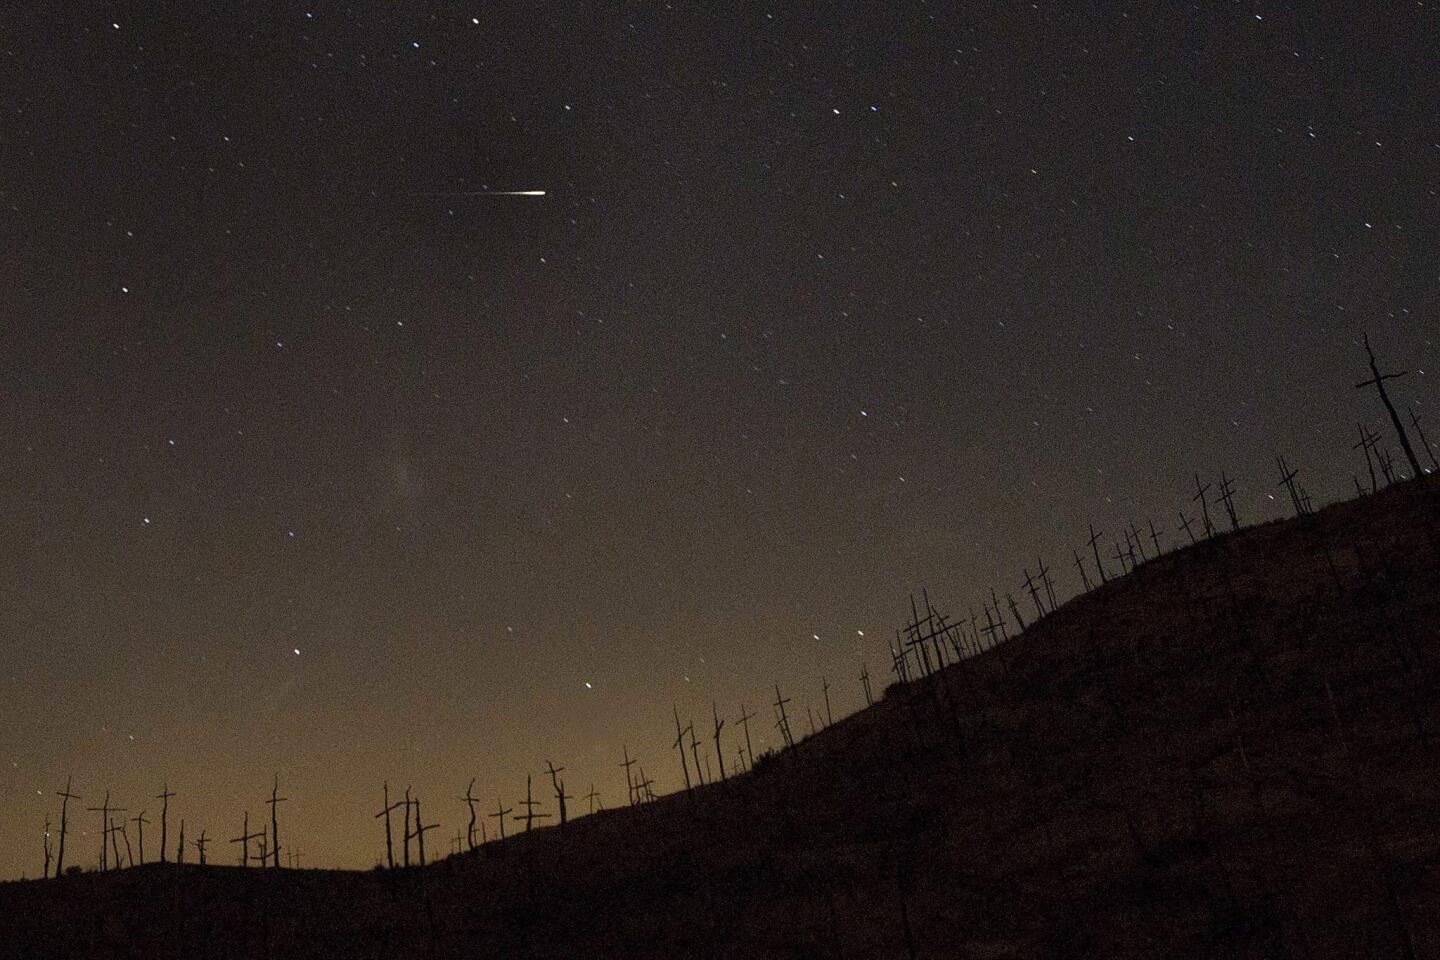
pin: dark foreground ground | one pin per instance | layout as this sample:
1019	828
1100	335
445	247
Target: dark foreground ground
1231	752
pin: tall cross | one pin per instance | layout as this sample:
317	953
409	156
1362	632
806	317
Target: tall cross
679	745
1080	565
1227	497
1044	575
1034	591
695	751
1200	492
629	780
718	724
244	840
1095	546
421	828
389	807
1154	536
1377	380
164	798
501	812
784	721
274	823
1185	523
140	822
558	786
1368	441
745	717
200	846
66	796
1137	543
530	804
1424	441
105	810
1287	480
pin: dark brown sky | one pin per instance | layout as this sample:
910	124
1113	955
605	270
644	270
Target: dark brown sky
821	305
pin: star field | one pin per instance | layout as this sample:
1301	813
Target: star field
312	464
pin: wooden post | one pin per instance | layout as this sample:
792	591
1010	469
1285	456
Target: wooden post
274	822
65	797
1034	590
470	801
1154	536
1185	524
164	799
865	684
1015	611
45	873
405	854
389	844
200	846
1287	480
825	690
1377	380
180	847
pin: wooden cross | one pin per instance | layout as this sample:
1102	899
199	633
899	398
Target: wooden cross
642	787
629	780
389	843
405	854
784	721
592	797
1034	591
264	849
66	796
104	810
1424	441
559	787
825	691
470	800
1120	558
1367	443
164	799
1154	536
1377	380
530	804
679	745
180	846
865	684
1080	565
991	627
274	824
1387	466
295	856
1287	480
140	822
1133	537
1200	492
1227	497
421	828
745	717
502	811
695	752
45	873
115	845
1185	523
1094	545
244	840
200	846
1015	611
1044	575
900	659
718	724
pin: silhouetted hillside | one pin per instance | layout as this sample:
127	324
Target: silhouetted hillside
1230	752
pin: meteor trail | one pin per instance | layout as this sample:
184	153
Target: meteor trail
481	193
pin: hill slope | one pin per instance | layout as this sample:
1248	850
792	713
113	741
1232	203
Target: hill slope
1231	752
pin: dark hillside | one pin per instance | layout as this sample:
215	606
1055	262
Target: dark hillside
1231	752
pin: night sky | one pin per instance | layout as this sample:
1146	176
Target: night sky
308	467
